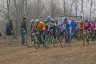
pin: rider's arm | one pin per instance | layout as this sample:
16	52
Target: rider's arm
48	27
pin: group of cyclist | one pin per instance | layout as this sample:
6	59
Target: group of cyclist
61	27
66	28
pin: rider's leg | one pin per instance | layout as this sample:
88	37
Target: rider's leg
54	33
69	37
42	35
58	34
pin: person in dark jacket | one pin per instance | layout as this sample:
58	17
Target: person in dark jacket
0	33
23	31
9	31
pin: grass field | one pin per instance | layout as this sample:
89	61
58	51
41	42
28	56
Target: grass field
75	54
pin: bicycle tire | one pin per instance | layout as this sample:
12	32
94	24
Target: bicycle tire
47	41
30	40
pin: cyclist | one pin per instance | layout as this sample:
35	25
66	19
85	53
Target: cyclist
47	32
94	28
69	29
74	26
52	25
41	27
59	29
32	25
87	27
81	25
64	28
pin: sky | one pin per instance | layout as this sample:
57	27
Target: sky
86	6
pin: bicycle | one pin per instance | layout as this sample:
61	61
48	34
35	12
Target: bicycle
79	34
60	37
94	34
38	41
30	38
48	39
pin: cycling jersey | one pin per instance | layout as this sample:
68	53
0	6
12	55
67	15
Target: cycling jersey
74	25
81	26
48	26
87	25
68	25
40	26
59	26
64	26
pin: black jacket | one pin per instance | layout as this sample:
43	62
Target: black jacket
23	27
9	28
0	34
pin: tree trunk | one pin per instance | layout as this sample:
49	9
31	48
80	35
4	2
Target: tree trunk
8	9
64	7
76	8
91	8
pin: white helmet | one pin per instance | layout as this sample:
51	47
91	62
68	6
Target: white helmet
37	20
32	20
52	20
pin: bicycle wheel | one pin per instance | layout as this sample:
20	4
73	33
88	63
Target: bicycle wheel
30	40
84	41
88	39
36	45
62	41
36	42
59	40
47	41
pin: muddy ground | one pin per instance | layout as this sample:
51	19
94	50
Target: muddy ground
75	54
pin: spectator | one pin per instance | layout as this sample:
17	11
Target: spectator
9	32
0	33
23	31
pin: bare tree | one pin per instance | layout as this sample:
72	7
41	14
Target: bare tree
8	9
76	7
82	3
91	4
64	6
71	3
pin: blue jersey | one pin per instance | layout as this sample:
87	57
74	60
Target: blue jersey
64	25
68	25
47	26
59	26
68	28
74	25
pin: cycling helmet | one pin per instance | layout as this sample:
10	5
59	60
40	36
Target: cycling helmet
37	20
32	20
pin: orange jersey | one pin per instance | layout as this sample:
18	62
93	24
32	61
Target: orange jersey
81	26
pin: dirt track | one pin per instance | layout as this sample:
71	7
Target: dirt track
75	54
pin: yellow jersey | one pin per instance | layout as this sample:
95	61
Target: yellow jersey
40	26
